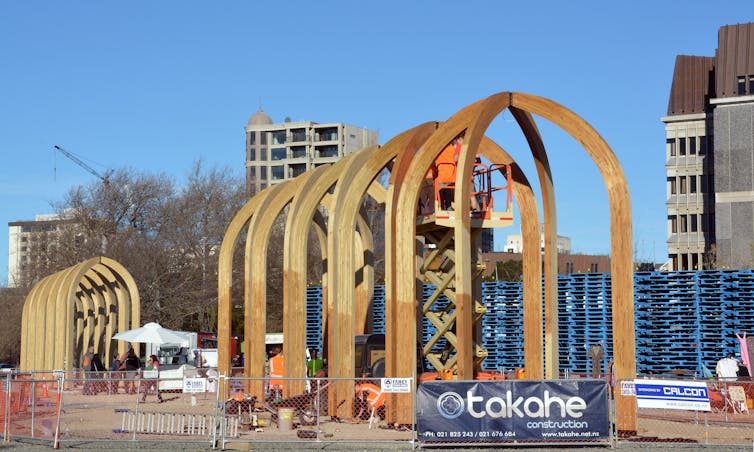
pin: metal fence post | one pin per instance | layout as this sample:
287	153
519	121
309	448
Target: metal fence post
61	385
6	423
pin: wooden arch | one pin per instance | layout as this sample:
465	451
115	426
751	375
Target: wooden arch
474	120
68	311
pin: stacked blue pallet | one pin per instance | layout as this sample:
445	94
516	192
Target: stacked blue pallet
378	310
502	325
588	307
712	311
666	324
738	302
314	317
565	347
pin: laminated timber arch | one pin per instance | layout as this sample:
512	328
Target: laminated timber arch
68	311
474	120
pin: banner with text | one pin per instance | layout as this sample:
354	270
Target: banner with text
513	410
672	394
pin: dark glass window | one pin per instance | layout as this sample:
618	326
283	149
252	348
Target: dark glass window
682	181
262	137
741	85
277	154
692	145
702	145
692	184
252	154
277	172
278	137
694	223
263	154
252	137
751	84
671	182
263	172
671	145
682	146
673	224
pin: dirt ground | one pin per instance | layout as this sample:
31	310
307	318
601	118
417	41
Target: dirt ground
106	421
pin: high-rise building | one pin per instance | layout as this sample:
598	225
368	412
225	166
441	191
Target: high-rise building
709	155
279	152
29	244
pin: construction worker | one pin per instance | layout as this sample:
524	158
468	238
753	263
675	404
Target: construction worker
277	370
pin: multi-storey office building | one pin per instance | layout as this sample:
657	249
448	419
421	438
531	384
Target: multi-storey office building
710	155
279	152
29	244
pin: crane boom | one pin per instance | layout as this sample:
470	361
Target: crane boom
82	164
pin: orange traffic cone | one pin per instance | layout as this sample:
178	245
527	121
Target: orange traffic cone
44	390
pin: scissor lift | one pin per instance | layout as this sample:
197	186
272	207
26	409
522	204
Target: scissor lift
435	222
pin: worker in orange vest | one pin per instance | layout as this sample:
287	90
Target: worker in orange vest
277	370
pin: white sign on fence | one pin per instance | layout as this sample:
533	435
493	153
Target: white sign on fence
194	385
627	388
396	384
672	394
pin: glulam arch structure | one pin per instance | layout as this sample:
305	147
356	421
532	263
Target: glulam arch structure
81	306
408	157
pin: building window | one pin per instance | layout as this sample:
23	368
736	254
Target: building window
298	135
328	151
694	223
569	268
692	145
672	185
692	184
682	146
682	183
252	137
684	224
277	154
263	155
278	137
263	172
702	145
751	84
741	85
262	137
673	224
252	154
252	173
593	267
298	152
277	172
297	170
671	146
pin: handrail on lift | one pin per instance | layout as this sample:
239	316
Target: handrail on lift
482	188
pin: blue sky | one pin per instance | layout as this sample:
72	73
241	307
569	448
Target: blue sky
158	85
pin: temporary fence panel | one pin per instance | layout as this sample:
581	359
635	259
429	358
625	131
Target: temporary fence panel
728	420
513	412
304	417
139	406
30	408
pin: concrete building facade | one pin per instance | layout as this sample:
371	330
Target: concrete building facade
709	156
24	240
282	151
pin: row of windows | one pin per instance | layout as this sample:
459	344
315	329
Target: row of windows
689	145
277	172
691	223
686	261
295	136
693	183
742	84
279	153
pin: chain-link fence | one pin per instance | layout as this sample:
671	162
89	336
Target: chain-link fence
676	411
328	410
